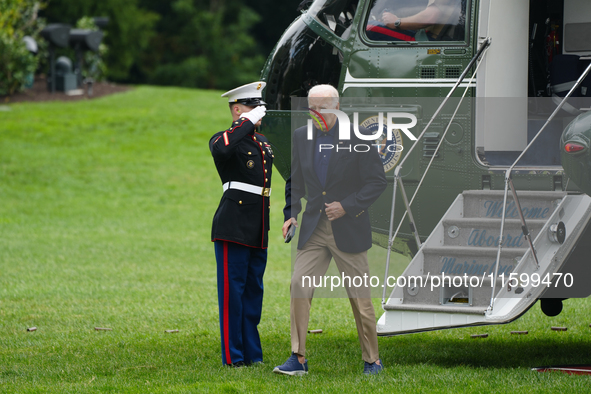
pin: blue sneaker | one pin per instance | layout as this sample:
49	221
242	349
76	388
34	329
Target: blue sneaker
292	367
373	368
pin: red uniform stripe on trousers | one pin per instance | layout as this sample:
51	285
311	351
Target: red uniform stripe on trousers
226	322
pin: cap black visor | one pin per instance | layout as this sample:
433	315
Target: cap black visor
251	102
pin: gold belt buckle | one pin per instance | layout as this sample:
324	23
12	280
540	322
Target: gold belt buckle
266	191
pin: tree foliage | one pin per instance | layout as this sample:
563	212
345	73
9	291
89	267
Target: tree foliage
18	18
192	43
275	18
129	30
209	45
94	65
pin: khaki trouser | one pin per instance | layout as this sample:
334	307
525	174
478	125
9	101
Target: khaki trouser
313	261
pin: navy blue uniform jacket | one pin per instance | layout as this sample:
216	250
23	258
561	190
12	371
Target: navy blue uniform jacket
242	155
355	179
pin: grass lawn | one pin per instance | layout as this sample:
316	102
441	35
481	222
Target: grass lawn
105	215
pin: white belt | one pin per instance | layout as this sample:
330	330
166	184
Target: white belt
245	187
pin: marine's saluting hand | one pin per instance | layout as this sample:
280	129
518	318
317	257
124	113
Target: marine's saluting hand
256	114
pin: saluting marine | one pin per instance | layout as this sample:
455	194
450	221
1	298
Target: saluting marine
244	160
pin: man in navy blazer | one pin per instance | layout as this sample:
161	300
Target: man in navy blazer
340	182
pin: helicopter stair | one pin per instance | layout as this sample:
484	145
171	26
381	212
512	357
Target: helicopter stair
449	282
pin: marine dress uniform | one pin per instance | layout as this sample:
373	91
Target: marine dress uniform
244	160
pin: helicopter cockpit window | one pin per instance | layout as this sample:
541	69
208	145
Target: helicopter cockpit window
337	15
417	20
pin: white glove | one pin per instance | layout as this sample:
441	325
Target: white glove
256	114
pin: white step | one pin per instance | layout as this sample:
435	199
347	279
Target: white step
474	310
459	260
484	232
447	290
489	204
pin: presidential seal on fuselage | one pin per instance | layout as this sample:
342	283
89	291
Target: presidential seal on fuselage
390	150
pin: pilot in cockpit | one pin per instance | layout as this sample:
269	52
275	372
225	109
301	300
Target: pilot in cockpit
417	20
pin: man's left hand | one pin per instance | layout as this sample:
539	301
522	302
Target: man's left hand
334	210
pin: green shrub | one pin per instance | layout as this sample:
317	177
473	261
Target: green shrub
189	73
128	32
94	66
208	45
16	63
18	18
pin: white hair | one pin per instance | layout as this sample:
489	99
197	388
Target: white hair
325	91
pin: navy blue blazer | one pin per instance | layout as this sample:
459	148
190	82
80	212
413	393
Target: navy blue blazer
355	179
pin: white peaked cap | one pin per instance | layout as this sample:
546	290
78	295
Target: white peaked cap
249	94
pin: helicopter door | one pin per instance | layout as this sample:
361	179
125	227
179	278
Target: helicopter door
527	71
577	38
577	27
501	86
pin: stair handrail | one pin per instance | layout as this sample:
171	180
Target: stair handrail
483	46
398	179
509	183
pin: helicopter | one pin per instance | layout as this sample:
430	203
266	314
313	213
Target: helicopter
499	168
